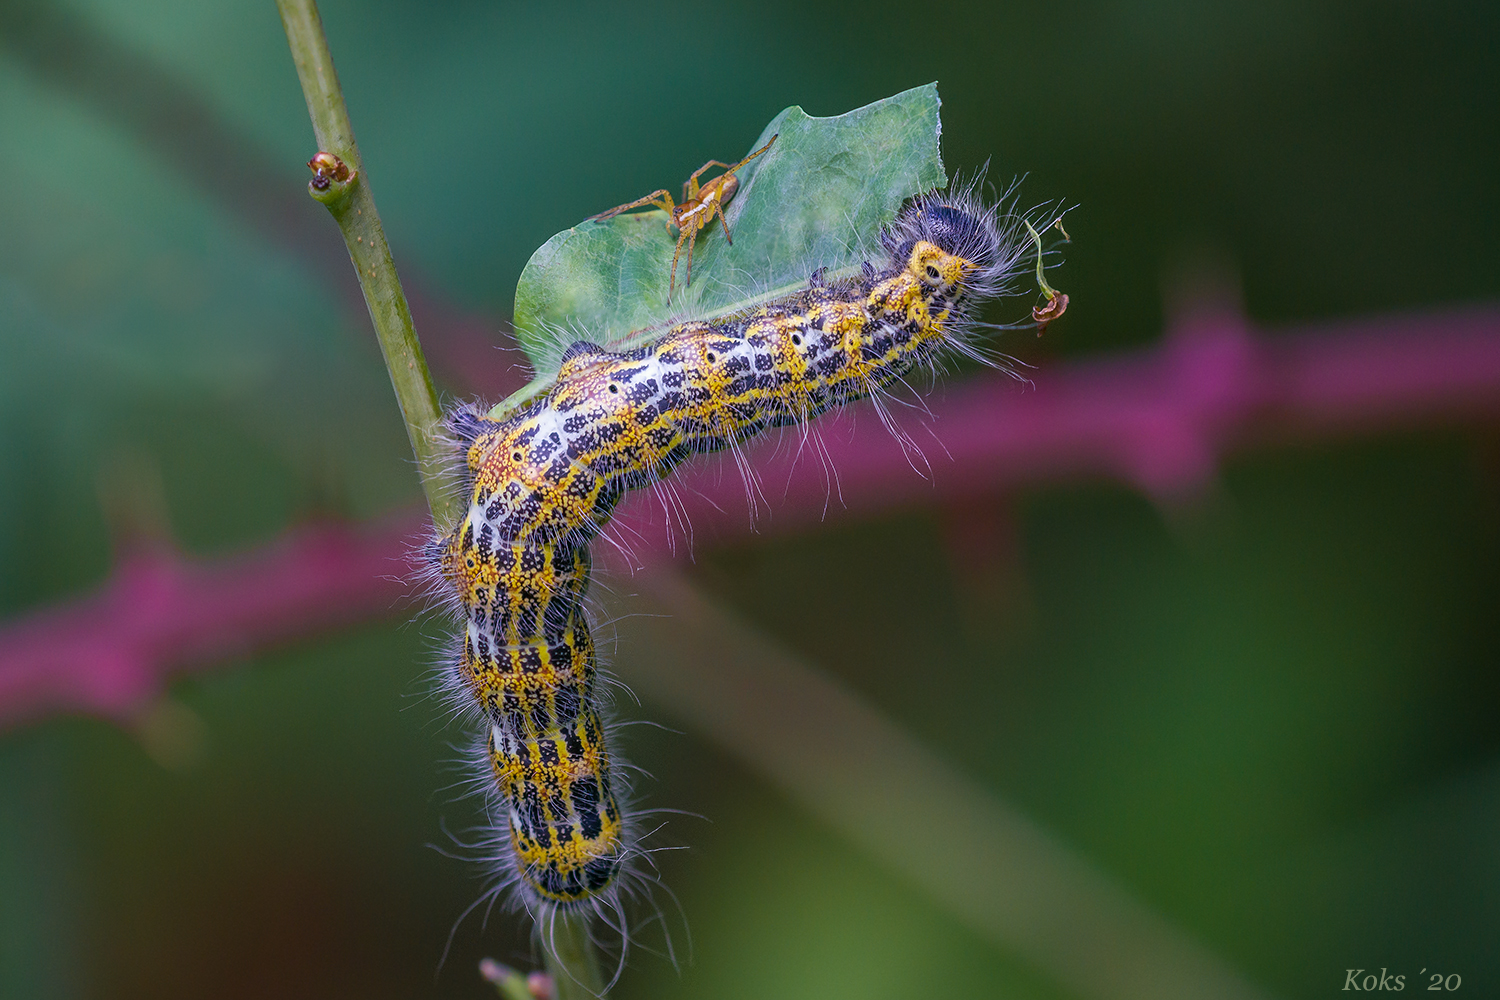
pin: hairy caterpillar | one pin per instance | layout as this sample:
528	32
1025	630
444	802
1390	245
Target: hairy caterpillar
542	480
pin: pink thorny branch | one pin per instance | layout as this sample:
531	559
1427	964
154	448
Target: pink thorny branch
1159	419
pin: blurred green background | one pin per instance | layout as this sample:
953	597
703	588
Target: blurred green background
1273	718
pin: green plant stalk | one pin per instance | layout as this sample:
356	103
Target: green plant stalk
513	986
353	207
572	959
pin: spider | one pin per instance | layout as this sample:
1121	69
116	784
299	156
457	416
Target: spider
700	203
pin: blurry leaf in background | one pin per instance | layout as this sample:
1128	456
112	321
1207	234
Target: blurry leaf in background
817	198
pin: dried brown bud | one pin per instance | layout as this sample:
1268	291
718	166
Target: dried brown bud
1055	307
328	167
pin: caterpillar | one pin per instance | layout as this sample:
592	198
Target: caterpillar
542	480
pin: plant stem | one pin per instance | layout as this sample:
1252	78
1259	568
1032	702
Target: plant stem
353	208
572	959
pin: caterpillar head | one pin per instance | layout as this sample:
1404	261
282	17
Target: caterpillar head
937	268
959	222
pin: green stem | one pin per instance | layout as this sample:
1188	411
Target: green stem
572	959
1041	279
353	208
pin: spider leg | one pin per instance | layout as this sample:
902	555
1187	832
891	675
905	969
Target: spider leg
656	199
681	234
690	187
686	234
692	241
721	188
719	210
752	156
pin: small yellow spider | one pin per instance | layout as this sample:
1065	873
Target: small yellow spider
700	203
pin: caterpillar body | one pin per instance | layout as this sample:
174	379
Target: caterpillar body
542	481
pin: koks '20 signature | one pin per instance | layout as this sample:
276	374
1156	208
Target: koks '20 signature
1358	979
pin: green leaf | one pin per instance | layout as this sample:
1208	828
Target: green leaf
817	198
